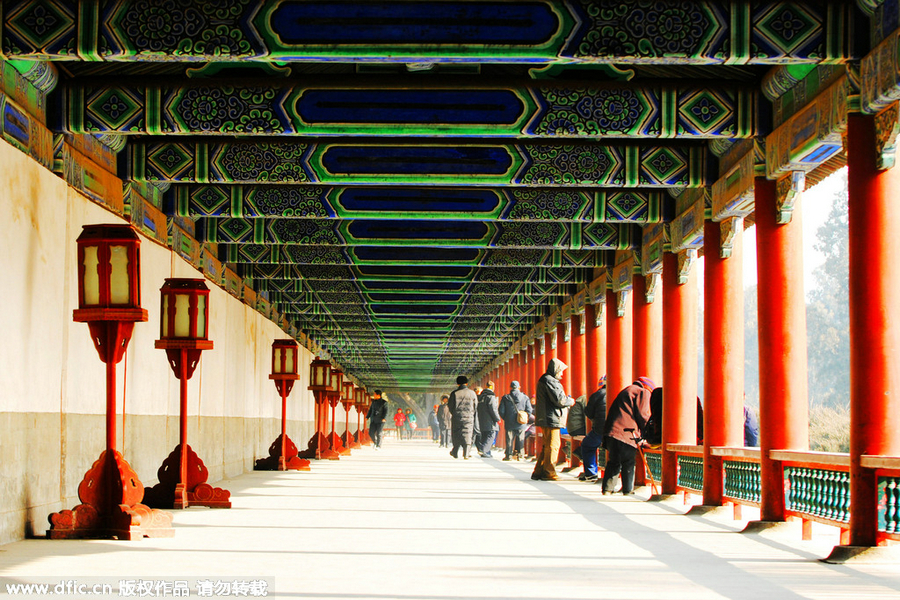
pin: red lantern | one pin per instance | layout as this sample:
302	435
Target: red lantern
319	375
283	452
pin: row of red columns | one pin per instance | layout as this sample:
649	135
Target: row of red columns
659	340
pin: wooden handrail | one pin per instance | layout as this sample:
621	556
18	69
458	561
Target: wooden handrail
685	449
736	452
880	462
807	457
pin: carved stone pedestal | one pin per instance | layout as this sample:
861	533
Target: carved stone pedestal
275	462
110	494
334	440
349	441
170	492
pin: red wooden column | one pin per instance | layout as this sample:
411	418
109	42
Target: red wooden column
539	367
783	411
874	219
647	332
723	356
595	346
579	387
524	372
564	353
679	341
619	331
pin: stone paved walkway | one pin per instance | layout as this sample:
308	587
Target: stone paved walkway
410	522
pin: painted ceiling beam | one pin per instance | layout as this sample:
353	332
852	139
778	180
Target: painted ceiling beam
411	108
539	32
453	163
438	203
397	233
400	264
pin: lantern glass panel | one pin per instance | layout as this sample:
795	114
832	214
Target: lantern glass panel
91	276
201	316
289	361
119	292
182	317
276	367
165	316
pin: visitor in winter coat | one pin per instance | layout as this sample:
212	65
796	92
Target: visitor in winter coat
551	400
751	429
446	421
434	424
595	411
462	406
575	422
626	420
510	405
377	415
488	420
399	422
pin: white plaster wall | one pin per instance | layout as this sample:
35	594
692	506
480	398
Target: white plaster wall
52	383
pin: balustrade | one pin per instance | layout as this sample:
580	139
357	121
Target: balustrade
690	472
742	481
822	493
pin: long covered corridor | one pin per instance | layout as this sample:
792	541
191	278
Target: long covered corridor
410	522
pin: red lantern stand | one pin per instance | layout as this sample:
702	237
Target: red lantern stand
348	402
109	298
183	332
334	398
320	384
359	403
367	439
283	451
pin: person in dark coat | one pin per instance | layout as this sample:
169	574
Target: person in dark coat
377	415
488	420
626	420
510	405
595	412
653	435
548	411
434	424
446	421
462	404
751	429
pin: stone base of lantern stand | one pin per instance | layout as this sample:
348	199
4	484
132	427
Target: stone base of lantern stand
349	441
111	491
291	460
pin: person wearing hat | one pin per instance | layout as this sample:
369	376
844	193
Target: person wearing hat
548	411
462	405
595	411
510	406
626	420
377	414
446	421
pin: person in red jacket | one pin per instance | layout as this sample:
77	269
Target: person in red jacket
399	421
626	419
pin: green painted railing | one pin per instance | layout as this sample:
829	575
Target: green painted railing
654	462
742	480
821	493
690	472
889	504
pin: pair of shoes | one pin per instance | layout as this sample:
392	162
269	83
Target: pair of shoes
506	458
465	458
587	477
535	476
482	454
606	492
452	454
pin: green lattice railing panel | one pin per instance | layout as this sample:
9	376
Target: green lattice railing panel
889	504
654	462
742	480
818	492
690	472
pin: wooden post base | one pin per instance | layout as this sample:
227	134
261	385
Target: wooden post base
334	440
170	492
275	462
110	494
349	441
319	448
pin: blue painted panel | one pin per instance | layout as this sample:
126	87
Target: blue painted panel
425	285
405	255
302	23
415	309
15	124
427	107
430	199
418	298
413	271
416	230
416	160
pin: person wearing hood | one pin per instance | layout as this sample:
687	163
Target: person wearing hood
510	406
548	411
446	421
377	414
462	406
488	420
625	423
593	441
